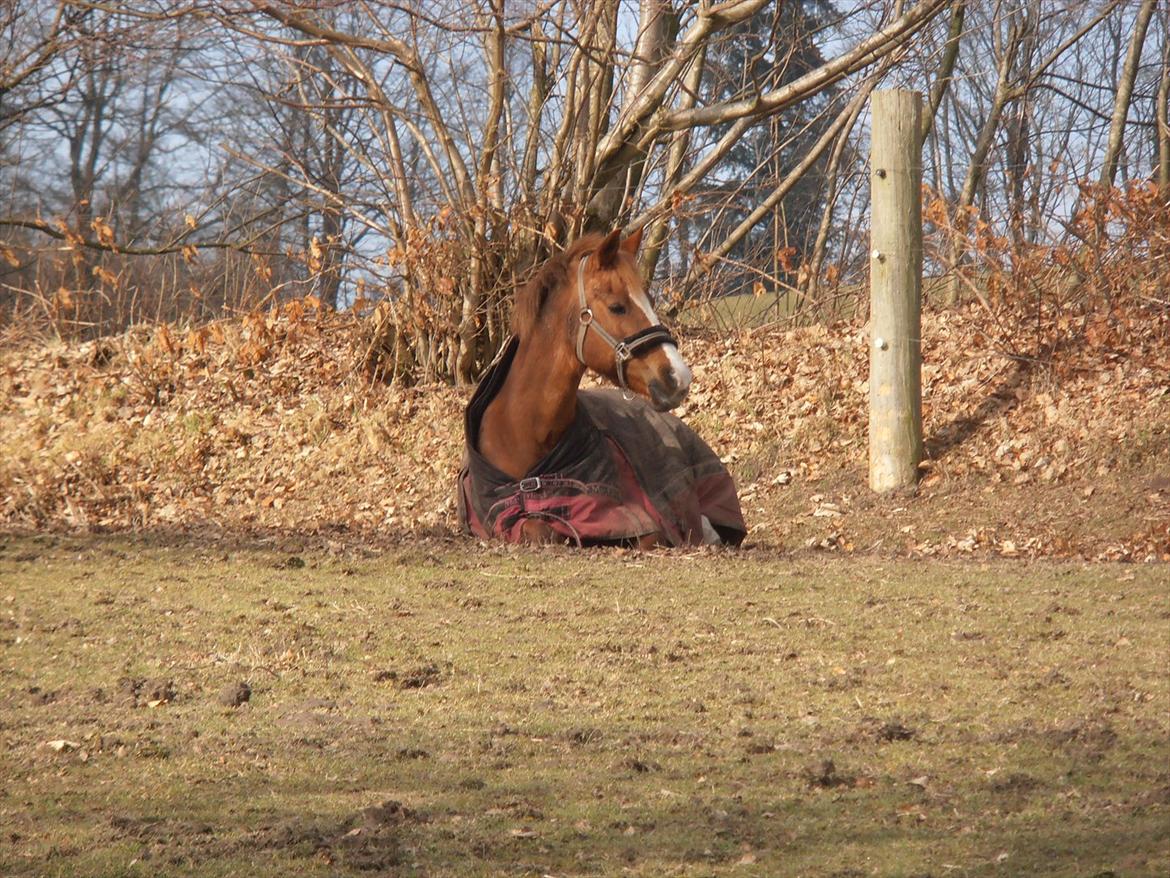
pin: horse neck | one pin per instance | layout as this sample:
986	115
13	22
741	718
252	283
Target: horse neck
535	407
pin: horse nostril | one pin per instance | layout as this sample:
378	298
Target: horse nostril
667	393
678	384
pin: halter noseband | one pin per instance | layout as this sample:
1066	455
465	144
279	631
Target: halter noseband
624	350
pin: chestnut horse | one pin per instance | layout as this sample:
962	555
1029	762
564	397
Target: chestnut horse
586	308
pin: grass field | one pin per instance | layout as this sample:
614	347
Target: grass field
743	310
441	710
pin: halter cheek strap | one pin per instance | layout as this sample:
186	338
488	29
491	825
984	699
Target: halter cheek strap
624	350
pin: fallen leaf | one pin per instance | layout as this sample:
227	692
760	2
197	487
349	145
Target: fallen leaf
61	744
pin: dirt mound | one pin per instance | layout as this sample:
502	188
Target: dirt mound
1035	447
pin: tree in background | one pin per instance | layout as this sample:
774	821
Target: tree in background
775	47
584	110
165	161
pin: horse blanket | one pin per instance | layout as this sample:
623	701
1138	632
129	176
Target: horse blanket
623	470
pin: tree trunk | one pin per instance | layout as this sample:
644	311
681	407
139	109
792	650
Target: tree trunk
1162	114
976	168
675	162
947	68
650	48
1018	151
1125	94
593	120
489	197
817	258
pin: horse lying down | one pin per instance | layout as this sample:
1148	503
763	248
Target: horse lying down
548	462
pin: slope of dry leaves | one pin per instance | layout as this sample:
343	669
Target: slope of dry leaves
266	423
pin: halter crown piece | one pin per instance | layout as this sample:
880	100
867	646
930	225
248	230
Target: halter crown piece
624	350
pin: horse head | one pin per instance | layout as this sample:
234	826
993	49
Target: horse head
615	330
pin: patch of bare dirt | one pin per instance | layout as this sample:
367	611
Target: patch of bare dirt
235	694
825	773
366	842
151	693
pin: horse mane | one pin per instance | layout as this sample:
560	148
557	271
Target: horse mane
529	300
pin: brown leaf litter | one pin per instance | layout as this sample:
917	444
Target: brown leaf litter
268	422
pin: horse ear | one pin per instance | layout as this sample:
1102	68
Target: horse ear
634	241
608	251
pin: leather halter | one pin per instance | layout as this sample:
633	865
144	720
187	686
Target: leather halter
624	350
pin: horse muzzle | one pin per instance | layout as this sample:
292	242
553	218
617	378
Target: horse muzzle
666	393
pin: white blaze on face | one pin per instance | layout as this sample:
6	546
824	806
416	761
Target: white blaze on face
682	372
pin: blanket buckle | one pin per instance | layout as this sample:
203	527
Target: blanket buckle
530	484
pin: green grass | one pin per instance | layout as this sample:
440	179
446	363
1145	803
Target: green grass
548	713
746	310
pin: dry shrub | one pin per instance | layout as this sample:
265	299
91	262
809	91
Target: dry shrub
1103	284
76	293
449	310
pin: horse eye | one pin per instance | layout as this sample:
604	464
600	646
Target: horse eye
617	308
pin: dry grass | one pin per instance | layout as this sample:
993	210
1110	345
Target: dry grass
563	714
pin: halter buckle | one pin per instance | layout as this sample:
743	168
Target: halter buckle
622	352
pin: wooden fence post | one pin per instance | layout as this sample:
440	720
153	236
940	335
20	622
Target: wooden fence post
895	324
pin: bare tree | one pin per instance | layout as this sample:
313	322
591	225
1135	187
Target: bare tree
942	80
613	140
33	39
426	155
1125	93
1161	102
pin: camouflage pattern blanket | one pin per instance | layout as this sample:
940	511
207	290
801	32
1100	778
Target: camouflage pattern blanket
623	470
